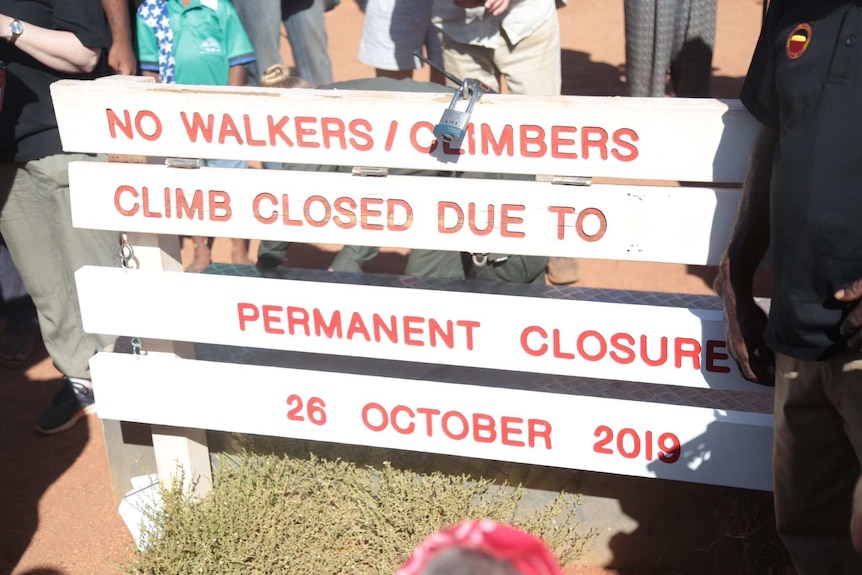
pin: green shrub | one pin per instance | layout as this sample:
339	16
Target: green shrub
273	514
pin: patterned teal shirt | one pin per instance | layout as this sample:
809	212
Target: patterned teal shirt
205	40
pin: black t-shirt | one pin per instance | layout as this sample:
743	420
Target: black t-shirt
805	80
28	127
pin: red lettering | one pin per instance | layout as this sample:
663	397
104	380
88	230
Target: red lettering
441	217
627	146
505	145
654	362
250	140
489	220
506	220
410	330
228	130
414	132
269	318
712	354
410	426
302	132
134	193
469	325
588	141
617	341
506	431
344	210
366	212
558	353
276	131
542	349
331	329
327	211
557	141
390	215
114	122
465	428
377	408
297	316
539	428
687	347
197	127
255	208
561	212
246	312
603	346
190	211
219	202
484	428
333	128
361	130
533	136
428	413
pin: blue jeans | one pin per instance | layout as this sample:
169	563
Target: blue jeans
306	32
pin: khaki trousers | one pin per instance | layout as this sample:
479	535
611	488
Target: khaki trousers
36	222
816	460
531	67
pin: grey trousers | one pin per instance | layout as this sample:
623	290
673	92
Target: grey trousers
669	35
36	222
816	460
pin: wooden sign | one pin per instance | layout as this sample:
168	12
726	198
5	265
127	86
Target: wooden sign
637	138
640	223
651	344
595	434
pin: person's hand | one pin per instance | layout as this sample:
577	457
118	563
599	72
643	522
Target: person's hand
744	327
496	7
850	327
121	59
493	7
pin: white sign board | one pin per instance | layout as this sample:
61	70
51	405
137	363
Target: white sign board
595	434
663	345
640	223
639	138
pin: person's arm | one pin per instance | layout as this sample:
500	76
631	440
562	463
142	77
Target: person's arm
745	322
121	57
237	76
57	49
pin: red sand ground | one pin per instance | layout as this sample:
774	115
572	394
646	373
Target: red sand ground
57	515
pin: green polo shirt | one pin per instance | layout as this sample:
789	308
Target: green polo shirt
805	81
208	40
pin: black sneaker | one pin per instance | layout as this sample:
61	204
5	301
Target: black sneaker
71	403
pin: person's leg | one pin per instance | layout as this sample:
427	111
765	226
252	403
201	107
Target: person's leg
467	61
694	40
435	264
36	222
649	32
21	334
203	246
262	22
306	32
391	33
815	467
532	66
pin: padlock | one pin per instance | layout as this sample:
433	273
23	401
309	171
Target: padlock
453	124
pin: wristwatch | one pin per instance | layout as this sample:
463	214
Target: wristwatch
17	29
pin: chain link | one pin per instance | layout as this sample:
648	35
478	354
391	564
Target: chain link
127	254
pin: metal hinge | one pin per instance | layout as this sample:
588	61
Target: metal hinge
371	172
571	180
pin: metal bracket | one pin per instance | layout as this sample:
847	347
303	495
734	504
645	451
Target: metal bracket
185	163
571	180
370	171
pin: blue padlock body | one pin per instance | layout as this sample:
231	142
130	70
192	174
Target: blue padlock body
449	133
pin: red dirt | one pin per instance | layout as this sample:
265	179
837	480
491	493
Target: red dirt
58	517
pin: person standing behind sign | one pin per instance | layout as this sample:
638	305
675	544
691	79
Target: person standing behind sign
801	201
43	42
515	40
675	36
392	31
199	42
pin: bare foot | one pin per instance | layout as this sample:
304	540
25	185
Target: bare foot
239	253
202	258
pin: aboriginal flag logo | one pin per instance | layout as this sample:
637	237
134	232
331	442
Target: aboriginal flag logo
797	42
